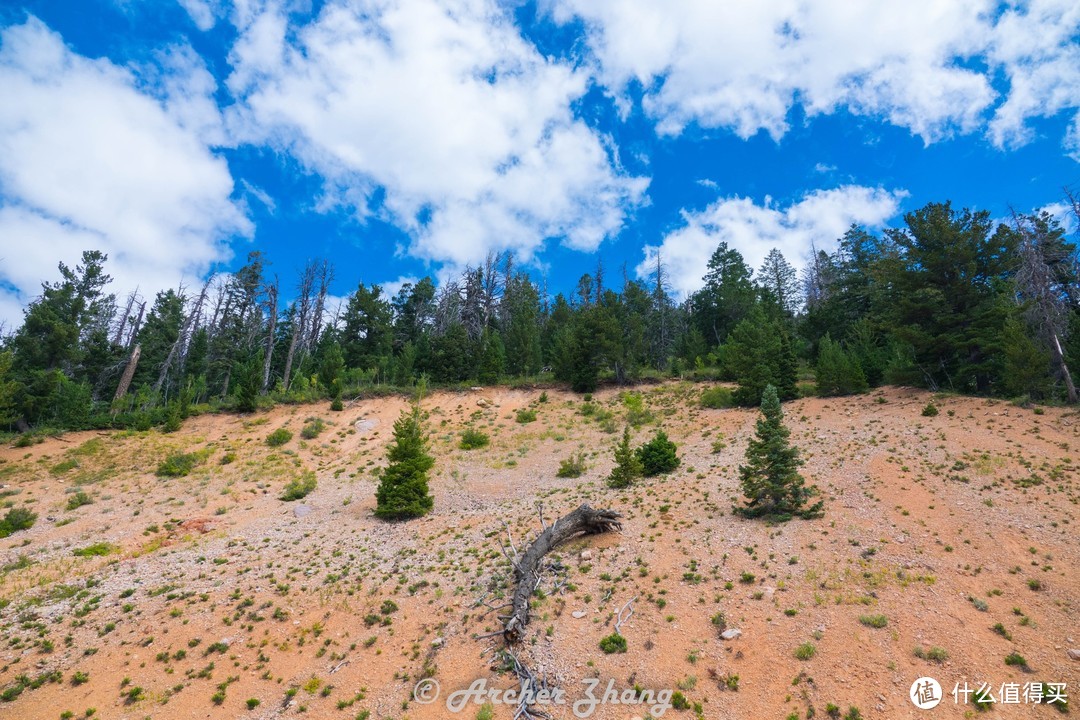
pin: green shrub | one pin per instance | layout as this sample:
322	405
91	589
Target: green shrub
525	415
934	654
299	487
1015	658
658	455
805	651
312	429
717	398
572	467
17	519
77	500
337	405
930	410
178	464
95	550
614	643
472	439
874	621
279	437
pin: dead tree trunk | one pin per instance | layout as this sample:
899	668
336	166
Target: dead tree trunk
273	292
129	373
583	521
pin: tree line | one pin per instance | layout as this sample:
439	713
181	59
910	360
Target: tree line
950	300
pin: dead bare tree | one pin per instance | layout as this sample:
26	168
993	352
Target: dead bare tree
583	521
301	313
184	335
1037	287
129	373
272	298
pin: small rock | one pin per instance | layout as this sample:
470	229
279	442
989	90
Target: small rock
1074	653
438	642
302	511
586	555
731	634
578	614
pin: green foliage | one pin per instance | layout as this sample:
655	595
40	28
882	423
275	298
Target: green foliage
717	398
805	651
279	437
178	464
331	366
337	405
759	354
525	415
628	465
95	550
770	479
312	428
572	467
614	643
403	487
472	439
247	383
300	487
658	456
838	372
77	500
930	410
172	418
15	520
874	621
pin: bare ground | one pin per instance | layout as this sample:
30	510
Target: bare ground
213	592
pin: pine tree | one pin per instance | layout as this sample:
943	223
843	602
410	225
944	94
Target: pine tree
331	366
838	373
770	479
403	489
659	455
248	382
628	465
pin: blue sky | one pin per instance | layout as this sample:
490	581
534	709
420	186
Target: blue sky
400	138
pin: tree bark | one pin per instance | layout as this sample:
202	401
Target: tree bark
583	521
129	373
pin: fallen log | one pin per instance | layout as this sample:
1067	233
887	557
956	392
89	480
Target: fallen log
583	521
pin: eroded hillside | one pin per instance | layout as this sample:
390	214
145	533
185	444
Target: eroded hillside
948	543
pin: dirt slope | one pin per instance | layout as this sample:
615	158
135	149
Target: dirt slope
213	592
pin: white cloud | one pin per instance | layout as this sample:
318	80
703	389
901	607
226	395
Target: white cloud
1036	47
925	65
204	13
821	217
93	157
442	104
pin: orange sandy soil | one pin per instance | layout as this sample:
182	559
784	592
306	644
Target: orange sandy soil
216	592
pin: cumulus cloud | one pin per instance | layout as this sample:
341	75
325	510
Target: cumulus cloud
204	13
463	128
925	65
821	217
94	157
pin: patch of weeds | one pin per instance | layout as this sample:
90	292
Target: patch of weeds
572	467
874	621
805	651
300	487
525	415
279	437
95	550
78	499
472	439
312	429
